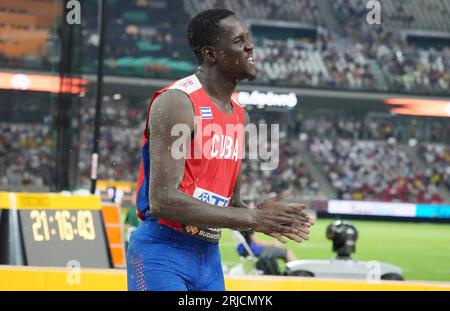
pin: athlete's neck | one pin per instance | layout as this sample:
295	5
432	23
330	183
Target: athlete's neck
218	87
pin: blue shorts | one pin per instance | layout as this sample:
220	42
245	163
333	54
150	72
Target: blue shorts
161	258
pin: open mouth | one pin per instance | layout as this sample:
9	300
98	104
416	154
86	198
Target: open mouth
250	60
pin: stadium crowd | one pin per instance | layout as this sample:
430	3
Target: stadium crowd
374	170
359	157
437	159
304	11
120	137
312	63
26	155
120	155
159	49
291	174
147	38
373	126
407	67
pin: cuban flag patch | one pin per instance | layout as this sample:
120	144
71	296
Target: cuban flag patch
206	113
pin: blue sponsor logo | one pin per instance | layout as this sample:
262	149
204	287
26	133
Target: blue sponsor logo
204	196
210	197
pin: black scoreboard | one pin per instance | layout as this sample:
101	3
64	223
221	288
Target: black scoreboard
56	230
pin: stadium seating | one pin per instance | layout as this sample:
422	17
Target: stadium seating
147	39
291	174
373	170
305	11
405	66
416	14
27	155
437	159
357	155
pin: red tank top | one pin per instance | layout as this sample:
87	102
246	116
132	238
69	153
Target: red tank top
214	156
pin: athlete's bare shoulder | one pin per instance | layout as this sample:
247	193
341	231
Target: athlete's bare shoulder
172	107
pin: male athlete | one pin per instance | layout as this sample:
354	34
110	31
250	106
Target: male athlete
185	200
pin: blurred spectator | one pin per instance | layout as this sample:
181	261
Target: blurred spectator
437	158
26	153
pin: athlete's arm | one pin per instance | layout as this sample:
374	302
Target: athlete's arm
168	202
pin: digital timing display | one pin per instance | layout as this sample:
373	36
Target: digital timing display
61	225
56	237
50	229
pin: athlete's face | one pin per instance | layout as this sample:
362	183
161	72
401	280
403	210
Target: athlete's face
235	50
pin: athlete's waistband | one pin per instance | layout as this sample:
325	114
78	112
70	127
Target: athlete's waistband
163	232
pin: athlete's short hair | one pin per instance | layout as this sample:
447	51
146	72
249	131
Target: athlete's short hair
203	29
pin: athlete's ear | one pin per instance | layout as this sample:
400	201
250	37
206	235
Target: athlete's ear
210	54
